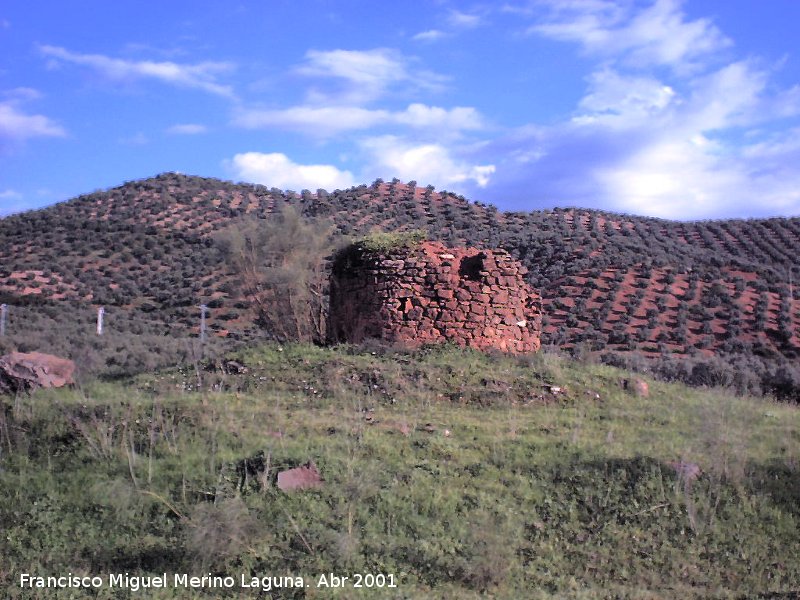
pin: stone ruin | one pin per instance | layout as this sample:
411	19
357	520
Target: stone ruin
428	293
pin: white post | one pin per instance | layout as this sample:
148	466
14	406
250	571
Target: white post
100	312
203	311
3	312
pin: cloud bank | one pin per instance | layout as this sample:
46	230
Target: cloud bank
667	125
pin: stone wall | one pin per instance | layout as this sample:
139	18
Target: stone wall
428	293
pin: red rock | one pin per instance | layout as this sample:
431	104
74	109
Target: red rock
636	386
300	478
446	294
20	371
640	388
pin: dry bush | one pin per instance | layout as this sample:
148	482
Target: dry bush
283	269
217	533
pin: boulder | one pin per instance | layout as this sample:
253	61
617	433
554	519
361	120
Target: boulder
640	388
26	371
300	478
636	386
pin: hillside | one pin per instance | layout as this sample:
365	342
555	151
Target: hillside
459	474
609	282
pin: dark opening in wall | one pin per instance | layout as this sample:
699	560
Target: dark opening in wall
471	267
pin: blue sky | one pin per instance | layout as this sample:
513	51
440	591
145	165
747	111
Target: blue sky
684	110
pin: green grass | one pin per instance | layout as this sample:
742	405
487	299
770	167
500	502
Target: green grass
528	495
384	241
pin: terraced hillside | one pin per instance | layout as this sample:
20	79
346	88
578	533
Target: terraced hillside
146	251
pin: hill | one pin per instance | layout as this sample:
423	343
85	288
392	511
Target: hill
609	282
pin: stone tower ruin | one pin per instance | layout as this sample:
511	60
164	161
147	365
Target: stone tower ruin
426	293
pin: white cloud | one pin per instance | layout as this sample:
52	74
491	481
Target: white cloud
456	21
313	120
731	96
277	170
427	163
431	35
377	67
187	129
17	125
463	20
671	177
682	178
783	144
10	195
703	147
670	166
786	103
367	74
22	94
669	125
622	100
457	118
331	120
658	35
200	76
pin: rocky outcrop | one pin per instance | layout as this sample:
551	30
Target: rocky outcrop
428	293
24	372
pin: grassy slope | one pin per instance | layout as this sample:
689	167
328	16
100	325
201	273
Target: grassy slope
530	496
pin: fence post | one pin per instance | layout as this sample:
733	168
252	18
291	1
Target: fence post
203	311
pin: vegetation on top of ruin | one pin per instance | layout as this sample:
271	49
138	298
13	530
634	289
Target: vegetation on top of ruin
386	241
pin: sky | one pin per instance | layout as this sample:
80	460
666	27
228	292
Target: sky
681	110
